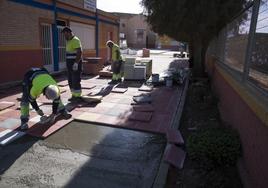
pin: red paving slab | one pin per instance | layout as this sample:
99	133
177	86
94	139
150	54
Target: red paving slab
111	100
43	131
143	108
6	104
10	123
87	86
63	90
63	83
119	90
141	116
175	156
163	107
109	104
174	136
10	113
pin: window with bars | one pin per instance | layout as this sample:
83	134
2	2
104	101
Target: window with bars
237	41
258	71
46	42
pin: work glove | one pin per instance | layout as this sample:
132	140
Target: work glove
48	119
40	112
75	66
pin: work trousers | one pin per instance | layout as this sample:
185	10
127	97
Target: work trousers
74	77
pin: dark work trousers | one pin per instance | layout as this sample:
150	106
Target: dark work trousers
74	77
116	66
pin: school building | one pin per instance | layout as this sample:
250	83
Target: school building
30	34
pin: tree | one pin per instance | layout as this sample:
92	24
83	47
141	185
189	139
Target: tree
192	21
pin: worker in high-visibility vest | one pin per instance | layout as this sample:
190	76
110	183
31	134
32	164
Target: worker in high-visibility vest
73	63
116	61
37	81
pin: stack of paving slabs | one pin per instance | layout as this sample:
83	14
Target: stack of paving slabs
142	99
146	88
129	68
148	63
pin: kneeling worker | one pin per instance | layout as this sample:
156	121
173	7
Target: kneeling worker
116	61
37	81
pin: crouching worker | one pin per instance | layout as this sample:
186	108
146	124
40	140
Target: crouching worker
37	81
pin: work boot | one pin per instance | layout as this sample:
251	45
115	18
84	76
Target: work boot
24	126
75	99
113	82
65	114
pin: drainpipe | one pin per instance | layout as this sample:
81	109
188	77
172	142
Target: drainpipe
97	33
55	39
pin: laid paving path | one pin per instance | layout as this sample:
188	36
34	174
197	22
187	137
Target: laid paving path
75	152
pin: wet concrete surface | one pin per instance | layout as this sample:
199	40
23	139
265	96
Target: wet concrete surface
83	155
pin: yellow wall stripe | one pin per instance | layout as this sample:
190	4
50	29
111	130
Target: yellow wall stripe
255	102
18	48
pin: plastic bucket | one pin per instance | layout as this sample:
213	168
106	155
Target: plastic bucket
155	78
169	82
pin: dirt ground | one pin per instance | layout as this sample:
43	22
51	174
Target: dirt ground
200	111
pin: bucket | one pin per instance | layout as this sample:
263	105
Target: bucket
169	82
155	78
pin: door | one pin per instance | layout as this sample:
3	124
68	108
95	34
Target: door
47	46
61	48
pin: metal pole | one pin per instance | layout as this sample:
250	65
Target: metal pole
251	38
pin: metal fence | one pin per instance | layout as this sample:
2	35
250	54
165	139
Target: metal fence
242	46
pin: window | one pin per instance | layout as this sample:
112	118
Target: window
86	34
140	34
237	40
258	72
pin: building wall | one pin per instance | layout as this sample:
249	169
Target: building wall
134	23
247	112
76	3
129	24
20	46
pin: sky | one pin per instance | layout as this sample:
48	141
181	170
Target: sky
124	6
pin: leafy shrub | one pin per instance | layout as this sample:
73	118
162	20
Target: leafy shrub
214	147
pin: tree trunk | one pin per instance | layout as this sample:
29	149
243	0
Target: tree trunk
198	57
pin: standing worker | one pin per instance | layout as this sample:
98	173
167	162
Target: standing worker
73	63
37	81
116	61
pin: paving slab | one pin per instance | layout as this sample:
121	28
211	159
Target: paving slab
10	123
146	88
8	135
5	104
42	131
174	136
87	86
141	116
143	108
119	90
175	156
63	83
